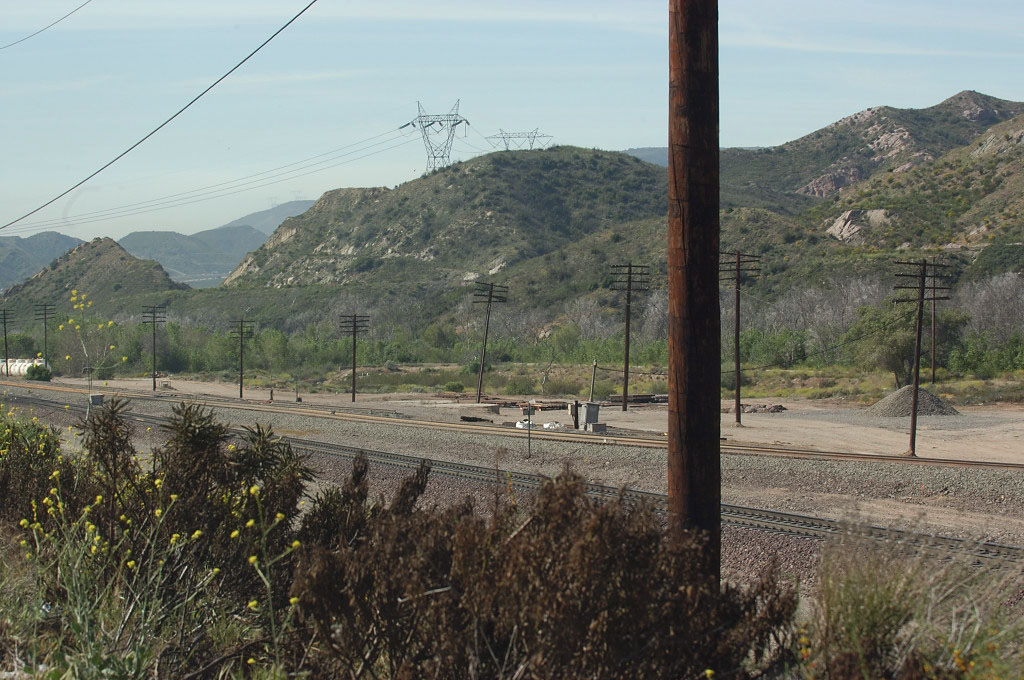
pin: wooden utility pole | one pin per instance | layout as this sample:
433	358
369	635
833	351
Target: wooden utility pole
354	324
921	275
745	264
153	315
629	277
486	293
243	332
694	333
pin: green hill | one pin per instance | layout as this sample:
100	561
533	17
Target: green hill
470	219
101	268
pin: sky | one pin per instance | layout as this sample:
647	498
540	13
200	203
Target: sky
321	106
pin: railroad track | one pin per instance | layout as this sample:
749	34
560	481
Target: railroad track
757	519
654	441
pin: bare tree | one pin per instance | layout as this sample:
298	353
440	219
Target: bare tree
585	314
654	319
995	305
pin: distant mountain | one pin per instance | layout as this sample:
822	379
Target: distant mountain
658	155
269	220
468	220
202	259
20	257
100	267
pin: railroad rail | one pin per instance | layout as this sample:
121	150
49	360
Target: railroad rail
654	441
756	519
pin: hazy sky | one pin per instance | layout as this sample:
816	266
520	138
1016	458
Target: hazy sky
591	73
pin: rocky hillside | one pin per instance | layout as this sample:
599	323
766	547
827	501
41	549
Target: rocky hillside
20	257
469	220
883	139
965	197
99	267
202	259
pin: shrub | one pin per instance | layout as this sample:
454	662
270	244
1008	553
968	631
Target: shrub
520	385
454	386
573	589
889	611
38	372
562	387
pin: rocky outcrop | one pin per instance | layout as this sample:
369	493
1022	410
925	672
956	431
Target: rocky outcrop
849	226
832	181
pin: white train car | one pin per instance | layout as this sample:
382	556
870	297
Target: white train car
17	367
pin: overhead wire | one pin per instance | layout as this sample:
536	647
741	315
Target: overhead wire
166	122
231	191
48	26
225	188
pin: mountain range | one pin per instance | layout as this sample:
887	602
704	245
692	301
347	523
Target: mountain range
841	201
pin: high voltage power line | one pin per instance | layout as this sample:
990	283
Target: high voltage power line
231	187
165	123
51	25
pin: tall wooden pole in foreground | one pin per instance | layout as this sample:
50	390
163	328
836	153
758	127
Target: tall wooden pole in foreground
694	333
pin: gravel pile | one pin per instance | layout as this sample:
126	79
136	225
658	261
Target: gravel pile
898	404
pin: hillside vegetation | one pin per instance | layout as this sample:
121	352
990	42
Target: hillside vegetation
465	221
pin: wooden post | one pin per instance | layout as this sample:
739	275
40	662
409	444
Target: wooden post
917	359
736	340
694	334
625	353
355	327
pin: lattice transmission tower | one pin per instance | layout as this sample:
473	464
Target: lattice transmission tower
521	140
438	131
